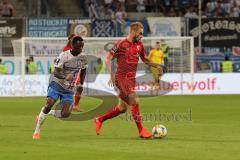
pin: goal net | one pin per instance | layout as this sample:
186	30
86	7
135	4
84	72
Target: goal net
180	59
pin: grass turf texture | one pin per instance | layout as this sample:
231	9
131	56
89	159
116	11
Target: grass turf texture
213	133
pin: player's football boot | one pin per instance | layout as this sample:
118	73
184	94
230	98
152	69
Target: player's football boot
145	133
36	136
98	126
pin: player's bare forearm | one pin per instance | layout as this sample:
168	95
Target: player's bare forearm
82	75
109	63
109	66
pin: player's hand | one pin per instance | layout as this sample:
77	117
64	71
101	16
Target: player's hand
111	80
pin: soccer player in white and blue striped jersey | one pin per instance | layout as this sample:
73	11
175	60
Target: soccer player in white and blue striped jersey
62	83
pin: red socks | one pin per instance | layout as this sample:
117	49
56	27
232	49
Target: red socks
76	99
137	117
110	114
115	112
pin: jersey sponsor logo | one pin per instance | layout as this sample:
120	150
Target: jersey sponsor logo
138	47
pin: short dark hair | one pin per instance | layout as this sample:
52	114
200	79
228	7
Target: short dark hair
226	58
0	60
76	41
157	42
31	58
99	60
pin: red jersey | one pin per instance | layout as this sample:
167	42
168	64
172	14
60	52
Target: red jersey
127	55
67	47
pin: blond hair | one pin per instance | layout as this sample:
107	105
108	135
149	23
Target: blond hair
135	26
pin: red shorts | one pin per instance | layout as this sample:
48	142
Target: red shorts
126	86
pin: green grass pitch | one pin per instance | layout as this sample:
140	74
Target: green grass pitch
212	134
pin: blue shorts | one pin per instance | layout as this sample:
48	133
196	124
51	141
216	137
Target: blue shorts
55	93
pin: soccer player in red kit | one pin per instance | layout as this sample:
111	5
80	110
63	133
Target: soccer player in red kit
80	77
127	52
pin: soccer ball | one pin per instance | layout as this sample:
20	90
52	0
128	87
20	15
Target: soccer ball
159	131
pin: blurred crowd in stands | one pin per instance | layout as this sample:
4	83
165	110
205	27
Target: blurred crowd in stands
108	9
6	9
118	9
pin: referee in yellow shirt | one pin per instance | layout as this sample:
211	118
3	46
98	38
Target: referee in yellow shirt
156	56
